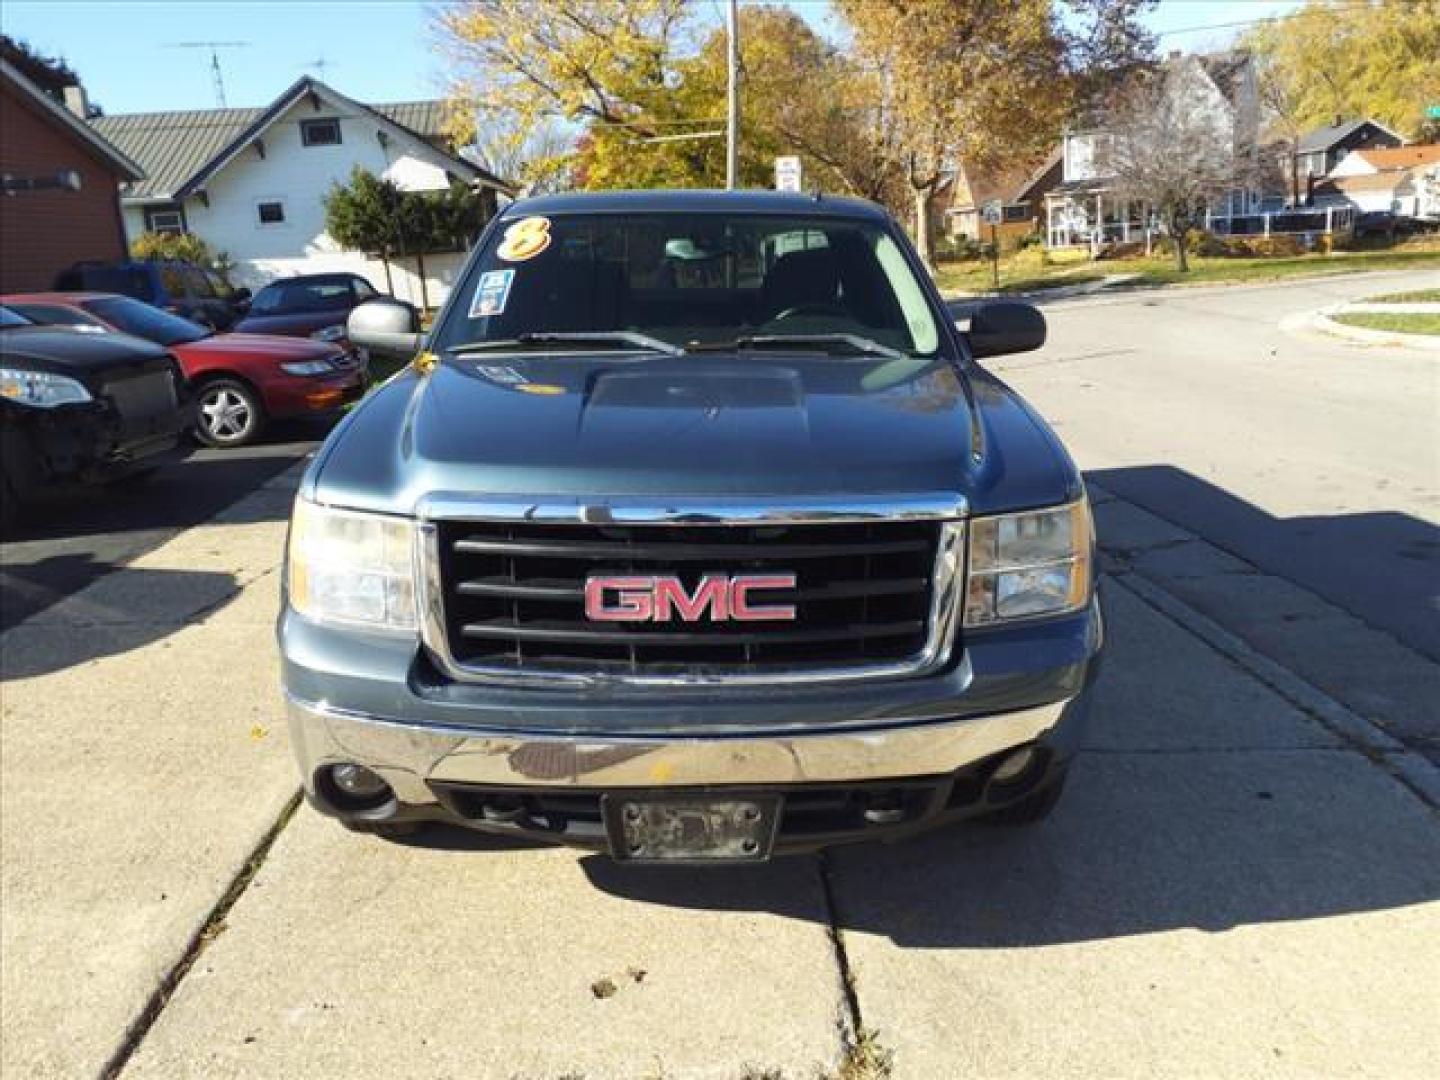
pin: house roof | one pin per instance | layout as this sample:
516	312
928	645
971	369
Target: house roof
1227	71
1052	159
181	150
1402	157
1325	137
62	117
1389	180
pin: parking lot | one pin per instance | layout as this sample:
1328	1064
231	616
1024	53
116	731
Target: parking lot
1243	877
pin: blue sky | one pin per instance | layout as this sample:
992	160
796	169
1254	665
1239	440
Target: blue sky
374	50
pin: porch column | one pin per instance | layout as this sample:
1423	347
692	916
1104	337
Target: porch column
1267	223
1329	219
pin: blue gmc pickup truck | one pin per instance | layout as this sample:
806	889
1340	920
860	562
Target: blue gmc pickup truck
694	533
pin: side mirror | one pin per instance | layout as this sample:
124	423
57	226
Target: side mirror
1001	327
388	327
242	293
240	299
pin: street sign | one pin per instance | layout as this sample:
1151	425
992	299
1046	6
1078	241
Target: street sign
990	212
787	174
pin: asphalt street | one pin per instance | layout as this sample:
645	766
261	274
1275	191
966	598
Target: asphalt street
1243	878
78	535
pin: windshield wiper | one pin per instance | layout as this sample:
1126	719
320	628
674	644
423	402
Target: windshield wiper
853	341
570	337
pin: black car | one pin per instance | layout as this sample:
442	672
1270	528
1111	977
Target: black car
78	407
181	288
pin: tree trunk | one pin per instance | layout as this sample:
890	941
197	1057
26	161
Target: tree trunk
1295	175
923	243
389	282
424	289
1182	258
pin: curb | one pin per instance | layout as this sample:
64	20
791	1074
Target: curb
1322	321
1408	767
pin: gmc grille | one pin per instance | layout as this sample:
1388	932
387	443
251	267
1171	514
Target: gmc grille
513	595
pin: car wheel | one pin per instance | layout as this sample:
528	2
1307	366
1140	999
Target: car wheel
1033	808
228	413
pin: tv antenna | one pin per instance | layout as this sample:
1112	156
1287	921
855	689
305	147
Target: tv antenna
214	47
319	65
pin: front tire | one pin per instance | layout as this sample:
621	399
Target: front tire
228	413
386	830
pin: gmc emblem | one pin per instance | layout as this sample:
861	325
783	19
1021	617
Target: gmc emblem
718	598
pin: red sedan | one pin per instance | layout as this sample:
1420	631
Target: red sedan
241	381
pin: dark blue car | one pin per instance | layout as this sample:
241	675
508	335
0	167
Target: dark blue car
696	533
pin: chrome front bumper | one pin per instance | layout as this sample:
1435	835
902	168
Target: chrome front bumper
410	756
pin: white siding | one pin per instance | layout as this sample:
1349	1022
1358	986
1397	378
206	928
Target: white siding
299	177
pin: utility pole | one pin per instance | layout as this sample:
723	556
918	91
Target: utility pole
216	74
732	101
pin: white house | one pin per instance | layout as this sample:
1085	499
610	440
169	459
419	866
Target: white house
1081	209
251	182
1403	180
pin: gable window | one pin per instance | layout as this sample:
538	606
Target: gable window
1017	212
165	219
320	132
271	212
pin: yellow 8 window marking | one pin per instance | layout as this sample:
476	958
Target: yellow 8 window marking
525	239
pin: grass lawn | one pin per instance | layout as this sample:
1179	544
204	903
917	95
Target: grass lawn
1398	323
1419	296
1029	270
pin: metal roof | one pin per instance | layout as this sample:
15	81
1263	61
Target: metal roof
696	200
1326	137
175	147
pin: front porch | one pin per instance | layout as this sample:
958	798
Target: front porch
1097	218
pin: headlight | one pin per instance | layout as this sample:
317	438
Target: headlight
1023	565
308	367
351	567
329	333
41	389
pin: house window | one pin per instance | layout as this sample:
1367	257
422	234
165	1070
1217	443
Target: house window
1017	212
320	132
164	219
271	213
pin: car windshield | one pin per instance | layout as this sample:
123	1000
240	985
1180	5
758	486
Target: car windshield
145	321
126	280
692	281
295	297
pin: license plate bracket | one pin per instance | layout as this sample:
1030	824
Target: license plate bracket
646	827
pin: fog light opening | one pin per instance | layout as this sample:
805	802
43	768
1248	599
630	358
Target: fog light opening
1014	766
885	808
354	788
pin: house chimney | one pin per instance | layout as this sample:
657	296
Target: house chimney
77	102
1175	54
1339	119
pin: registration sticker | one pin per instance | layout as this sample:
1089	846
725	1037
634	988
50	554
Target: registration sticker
525	239
492	293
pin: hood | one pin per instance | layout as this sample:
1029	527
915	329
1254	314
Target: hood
592	428
299	322
47	348
260	346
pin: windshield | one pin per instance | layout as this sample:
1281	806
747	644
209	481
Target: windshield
694	281
293	297
10	318
145	321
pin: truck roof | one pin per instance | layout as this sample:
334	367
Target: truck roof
693	201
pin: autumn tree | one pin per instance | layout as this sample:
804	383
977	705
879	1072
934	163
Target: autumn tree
1377	59
978	82
1167	149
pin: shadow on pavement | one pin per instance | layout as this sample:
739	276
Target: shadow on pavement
119	626
1383	567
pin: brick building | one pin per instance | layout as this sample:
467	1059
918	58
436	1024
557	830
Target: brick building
59	183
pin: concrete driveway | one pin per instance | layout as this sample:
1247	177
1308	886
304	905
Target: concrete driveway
1243	878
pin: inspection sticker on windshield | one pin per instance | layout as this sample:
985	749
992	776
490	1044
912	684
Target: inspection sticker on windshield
492	293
